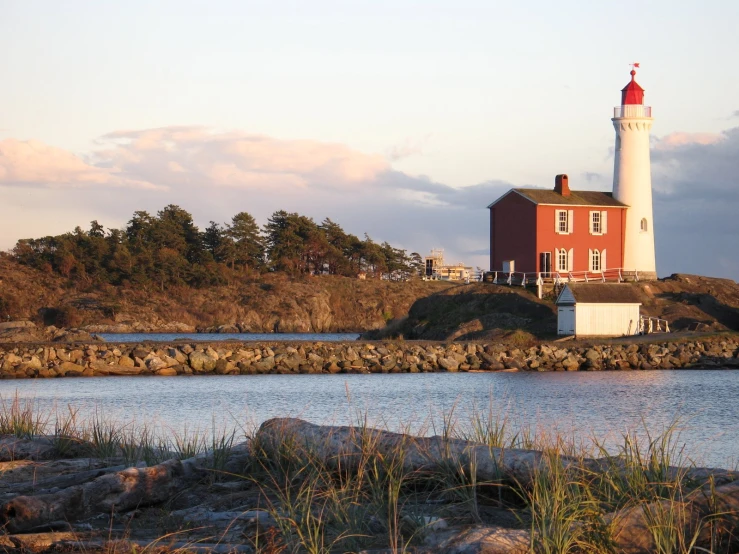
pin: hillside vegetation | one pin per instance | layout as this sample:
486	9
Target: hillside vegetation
258	303
277	301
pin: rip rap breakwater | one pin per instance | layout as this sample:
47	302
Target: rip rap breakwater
31	361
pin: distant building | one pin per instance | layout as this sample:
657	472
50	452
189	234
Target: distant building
584	233
437	270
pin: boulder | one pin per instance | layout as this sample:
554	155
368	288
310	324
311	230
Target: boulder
202	362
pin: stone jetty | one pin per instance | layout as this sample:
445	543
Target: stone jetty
88	360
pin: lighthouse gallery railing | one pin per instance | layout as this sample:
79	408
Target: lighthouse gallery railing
632	110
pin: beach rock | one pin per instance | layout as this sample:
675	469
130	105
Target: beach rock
483	540
202	362
66	368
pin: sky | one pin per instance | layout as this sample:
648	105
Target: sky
400	119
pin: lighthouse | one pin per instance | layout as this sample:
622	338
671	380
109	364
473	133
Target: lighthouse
632	179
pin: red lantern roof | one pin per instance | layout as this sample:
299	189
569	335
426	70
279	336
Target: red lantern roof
632	93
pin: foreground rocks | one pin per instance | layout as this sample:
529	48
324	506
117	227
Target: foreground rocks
93	359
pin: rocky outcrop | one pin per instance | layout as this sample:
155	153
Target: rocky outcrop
48	360
27	331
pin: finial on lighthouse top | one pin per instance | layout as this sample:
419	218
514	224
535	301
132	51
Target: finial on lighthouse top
632	93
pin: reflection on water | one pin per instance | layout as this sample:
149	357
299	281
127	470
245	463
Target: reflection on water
582	405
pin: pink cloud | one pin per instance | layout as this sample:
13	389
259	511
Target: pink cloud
171	157
35	163
676	140
196	155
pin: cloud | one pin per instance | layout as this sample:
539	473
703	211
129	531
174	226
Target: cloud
33	163
677	140
698	166
407	148
216	174
177	156
696	199
735	114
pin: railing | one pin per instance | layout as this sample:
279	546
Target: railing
632	110
649	325
616	274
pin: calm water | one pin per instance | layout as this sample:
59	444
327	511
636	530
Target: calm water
212	337
603	404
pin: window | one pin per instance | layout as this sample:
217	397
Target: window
644	225
597	263
563	259
598	223
563	221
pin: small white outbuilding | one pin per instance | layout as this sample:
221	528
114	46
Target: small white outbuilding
598	309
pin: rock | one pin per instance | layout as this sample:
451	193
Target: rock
167	371
22	324
101	368
155	364
483	540
449	364
202	362
70	367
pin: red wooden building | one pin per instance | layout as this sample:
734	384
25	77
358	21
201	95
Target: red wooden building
556	231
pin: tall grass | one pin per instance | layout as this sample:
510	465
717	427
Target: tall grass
21	418
367	498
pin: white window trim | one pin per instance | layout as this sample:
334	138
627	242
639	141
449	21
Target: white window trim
558	267
603	222
569	221
601	260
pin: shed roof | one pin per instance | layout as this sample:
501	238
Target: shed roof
599	293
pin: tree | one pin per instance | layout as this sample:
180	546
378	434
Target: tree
247	242
213	240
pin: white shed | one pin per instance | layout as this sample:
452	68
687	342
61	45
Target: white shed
598	309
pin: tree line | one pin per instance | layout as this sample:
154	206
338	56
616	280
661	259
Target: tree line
168	249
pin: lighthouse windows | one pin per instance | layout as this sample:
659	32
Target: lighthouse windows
644	227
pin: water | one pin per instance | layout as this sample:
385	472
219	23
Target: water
602	404
213	337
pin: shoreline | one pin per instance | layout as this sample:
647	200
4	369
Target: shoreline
51	360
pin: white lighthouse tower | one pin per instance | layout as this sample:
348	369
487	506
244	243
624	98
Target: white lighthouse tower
632	179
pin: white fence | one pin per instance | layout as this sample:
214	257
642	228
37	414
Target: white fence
523	279
649	325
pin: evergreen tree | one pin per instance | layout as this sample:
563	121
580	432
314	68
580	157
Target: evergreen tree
247	243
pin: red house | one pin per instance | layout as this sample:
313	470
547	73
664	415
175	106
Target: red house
560	231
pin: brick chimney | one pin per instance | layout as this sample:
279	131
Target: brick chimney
561	185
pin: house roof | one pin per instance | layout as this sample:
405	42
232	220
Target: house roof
599	293
576	198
